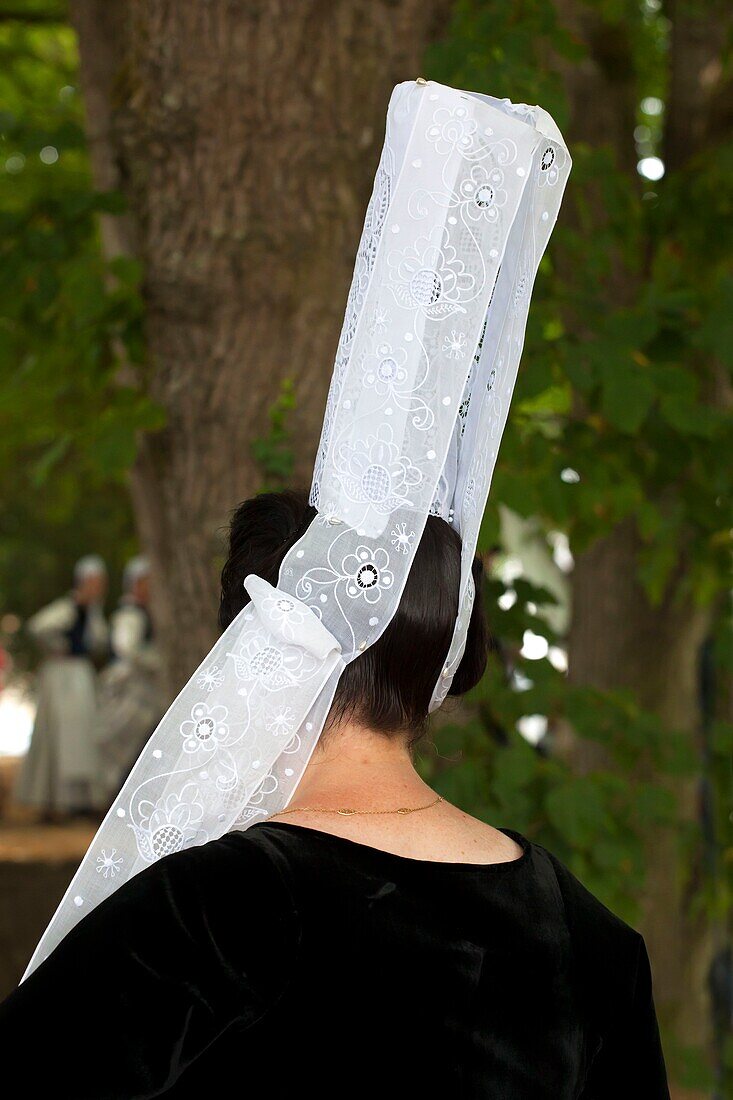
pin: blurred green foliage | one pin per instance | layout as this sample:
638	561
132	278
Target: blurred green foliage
624	396
67	320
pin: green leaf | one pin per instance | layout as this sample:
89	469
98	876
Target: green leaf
655	804
628	393
577	810
516	765
687	417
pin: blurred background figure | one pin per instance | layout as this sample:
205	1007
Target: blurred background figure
60	772
131	696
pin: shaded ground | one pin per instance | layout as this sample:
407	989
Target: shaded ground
36	865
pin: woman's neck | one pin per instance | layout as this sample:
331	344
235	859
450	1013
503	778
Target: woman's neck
356	768
360	768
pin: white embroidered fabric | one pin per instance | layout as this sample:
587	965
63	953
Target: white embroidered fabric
465	197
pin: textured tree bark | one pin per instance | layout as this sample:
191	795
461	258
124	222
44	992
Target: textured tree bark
617	638
245	134
102	32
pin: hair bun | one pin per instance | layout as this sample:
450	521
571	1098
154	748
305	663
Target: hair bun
259	532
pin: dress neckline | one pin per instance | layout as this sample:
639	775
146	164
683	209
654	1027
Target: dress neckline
442	865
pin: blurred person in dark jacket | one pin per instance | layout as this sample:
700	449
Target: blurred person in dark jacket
131	696
59	774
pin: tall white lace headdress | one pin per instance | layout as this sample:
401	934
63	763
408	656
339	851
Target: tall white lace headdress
465	197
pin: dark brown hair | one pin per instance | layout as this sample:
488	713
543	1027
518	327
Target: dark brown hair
390	685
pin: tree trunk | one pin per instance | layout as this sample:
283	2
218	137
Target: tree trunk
617	638
245	136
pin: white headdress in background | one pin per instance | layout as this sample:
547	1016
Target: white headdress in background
91	565
135	568
465	197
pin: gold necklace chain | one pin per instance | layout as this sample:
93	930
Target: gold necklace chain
350	813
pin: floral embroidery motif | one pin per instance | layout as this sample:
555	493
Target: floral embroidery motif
551	166
268	786
281	722
273	666
327	515
170	824
212	677
483	193
388	371
455	345
109	865
367	572
430	277
247	815
402	539
285	613
451	129
205	729
373	472
380	321
386	374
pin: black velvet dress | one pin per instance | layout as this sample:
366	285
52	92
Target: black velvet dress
285	962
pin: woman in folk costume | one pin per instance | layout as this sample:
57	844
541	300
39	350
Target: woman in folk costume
59	773
276	902
131	697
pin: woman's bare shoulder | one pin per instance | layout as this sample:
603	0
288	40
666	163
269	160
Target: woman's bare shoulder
479	841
